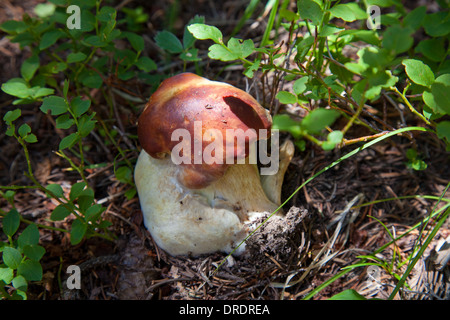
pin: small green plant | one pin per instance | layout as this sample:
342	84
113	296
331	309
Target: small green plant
414	161
20	257
65	65
185	49
382	64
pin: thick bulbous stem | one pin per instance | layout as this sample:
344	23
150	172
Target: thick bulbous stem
187	221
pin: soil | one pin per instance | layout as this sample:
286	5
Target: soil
286	259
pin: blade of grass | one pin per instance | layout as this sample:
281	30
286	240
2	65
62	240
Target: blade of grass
273	14
247	14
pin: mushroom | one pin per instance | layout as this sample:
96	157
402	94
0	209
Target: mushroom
198	187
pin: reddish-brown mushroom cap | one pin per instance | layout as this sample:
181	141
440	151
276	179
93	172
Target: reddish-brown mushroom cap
185	99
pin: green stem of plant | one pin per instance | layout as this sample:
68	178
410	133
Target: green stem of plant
72	164
312	139
406	101
355	115
79	168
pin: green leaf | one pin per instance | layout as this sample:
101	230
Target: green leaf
56	189
437	24
369	36
64	122
88	21
414	18
11	257
31	138
93	212
136	41
76	57
286	97
251	68
11	222
55	67
318	119
24	129
76	190
19	295
146	64
397	39
77	232
300	85
86	199
348	12
190	55
91	79
29	67
188	38
13	26
219	52
37	92
44	10
309	9
55	104
30	270
49	38
6	274
443	130
288	15
168	41
29	236
433	49
335	137
20	283
284	122
241	49
86	125
12	115
69	141
95	41
16	87
59	213
441	92
329	30
79	106
34	251
419	72
349	294
106	13
24	39
202	32
9	196
124	174
378	81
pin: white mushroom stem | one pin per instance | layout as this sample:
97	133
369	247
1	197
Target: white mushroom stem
216	218
272	183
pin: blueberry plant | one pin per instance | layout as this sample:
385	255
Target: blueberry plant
327	83
64	66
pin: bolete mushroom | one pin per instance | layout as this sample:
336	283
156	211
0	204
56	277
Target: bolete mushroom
198	188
